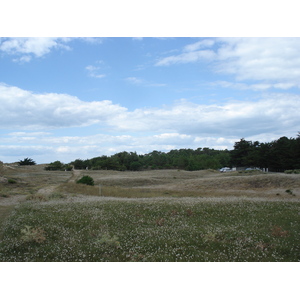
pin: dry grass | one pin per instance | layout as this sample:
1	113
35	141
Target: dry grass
194	184
153	183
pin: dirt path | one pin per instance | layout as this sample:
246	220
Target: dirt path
75	175
7	204
49	189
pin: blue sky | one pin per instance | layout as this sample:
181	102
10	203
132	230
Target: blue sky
68	98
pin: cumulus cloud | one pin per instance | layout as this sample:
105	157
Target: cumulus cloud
260	58
274	62
275	112
26	47
181	125
28	110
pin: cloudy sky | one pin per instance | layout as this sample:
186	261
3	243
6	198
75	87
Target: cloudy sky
68	98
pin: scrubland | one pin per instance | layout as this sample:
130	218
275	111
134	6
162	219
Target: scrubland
157	215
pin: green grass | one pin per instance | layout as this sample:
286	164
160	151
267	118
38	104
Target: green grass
4	213
153	230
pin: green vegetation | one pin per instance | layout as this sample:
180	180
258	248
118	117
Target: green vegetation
280	155
27	162
292	171
88	180
58	166
11	181
153	230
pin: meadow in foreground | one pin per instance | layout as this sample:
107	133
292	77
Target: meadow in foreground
190	230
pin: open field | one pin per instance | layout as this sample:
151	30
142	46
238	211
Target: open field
159	215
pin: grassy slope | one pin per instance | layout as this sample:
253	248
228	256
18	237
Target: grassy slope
154	230
177	229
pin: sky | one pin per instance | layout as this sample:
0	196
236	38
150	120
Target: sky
68	98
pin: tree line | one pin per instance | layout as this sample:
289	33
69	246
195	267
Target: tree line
279	155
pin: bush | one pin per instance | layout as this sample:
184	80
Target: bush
86	180
58	166
297	171
12	181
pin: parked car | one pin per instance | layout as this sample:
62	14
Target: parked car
250	169
225	169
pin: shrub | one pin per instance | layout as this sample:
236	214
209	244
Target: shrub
86	180
12	181
297	171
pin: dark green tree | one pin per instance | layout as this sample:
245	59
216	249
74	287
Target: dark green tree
27	162
245	153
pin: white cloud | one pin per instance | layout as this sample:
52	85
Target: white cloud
191	53
25	109
199	45
66	149
23	59
277	112
31	46
181	125
274	59
253	87
93	40
25	48
272	62
142	82
187	57
93	71
23	133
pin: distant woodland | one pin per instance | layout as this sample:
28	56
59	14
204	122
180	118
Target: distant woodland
278	156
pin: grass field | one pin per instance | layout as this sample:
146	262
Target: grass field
155	216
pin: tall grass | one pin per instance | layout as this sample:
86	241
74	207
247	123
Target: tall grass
123	192
153	230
